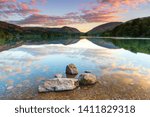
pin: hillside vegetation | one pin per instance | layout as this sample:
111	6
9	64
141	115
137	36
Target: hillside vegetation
104	27
10	33
135	28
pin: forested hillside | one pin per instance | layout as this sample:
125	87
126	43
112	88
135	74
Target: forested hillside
135	28
10	33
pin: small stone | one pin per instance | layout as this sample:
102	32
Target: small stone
78	88
58	76
71	69
131	84
10	87
87	79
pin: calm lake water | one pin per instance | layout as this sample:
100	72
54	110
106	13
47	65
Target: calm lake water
23	68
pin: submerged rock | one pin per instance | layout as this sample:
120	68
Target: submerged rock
87	79
87	72
10	87
71	69
59	84
58	76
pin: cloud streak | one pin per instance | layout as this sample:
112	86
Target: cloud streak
99	11
10	8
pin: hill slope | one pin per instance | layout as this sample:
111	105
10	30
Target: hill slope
8	31
69	30
104	27
11	28
139	27
58	30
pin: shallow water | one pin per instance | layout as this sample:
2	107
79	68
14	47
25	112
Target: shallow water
23	68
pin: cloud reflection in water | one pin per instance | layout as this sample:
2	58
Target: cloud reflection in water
28	65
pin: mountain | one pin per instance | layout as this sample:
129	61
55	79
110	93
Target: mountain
139	27
8	31
11	32
104	27
11	28
69	30
64	29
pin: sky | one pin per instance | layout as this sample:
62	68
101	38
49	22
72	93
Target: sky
81	14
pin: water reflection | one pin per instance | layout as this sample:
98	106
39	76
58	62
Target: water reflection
134	45
23	68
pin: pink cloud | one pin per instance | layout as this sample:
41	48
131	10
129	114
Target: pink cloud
34	2
100	11
4	1
119	3
13	7
109	10
24	6
46	20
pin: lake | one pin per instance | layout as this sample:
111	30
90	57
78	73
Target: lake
23	68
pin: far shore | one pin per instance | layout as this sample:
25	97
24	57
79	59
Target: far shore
17	44
117	37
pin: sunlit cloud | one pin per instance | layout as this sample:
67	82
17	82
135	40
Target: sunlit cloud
10	8
99	11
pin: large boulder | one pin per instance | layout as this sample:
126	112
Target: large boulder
58	84
87	79
71	69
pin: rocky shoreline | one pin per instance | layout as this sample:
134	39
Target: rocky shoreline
106	87
59	83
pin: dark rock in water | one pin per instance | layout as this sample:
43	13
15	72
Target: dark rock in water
87	72
59	84
71	69
87	79
71	76
58	76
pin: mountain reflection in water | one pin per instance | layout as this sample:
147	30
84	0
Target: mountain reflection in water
133	45
23	68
